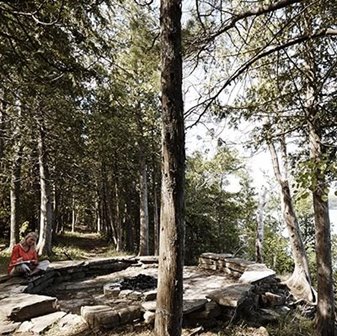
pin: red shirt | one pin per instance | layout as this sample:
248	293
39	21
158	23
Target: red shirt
19	252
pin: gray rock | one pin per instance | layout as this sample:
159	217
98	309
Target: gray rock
42	323
211	310
150	295
256	272
149	317
272	300
100	316
69	325
135	295
9	328
148	259
23	307
149	305
125	293
111	292
129	314
190	306
25	327
230	296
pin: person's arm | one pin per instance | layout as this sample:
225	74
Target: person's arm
15	257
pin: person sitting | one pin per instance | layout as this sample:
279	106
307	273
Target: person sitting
24	259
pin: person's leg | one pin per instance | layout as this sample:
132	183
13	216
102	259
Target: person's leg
22	269
41	267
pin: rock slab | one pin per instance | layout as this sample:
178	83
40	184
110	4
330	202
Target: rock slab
24	307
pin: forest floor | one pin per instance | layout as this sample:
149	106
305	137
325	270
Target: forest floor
84	245
69	246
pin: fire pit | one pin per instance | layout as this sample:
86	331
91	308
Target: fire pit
139	288
140	282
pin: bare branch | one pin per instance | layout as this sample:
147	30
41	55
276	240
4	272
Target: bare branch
38	21
247	65
251	13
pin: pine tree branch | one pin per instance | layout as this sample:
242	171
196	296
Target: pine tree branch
250	13
208	102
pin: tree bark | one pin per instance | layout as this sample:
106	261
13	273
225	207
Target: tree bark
46	215
144	212
260	227
325	316
170	273
155	222
3	108
15	190
117	220
73	214
98	216
300	281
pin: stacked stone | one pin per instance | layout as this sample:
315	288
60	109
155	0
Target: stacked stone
225	263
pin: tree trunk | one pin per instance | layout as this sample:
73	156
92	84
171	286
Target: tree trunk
56	203
46	215
3	108
155	222
260	227
118	221
98	217
73	214
129	228
144	212
15	193
170	271
325	317
300	281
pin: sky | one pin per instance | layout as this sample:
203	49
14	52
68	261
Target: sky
259	164
203	137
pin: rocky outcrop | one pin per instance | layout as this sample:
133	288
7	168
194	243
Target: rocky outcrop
23	307
109	293
22	310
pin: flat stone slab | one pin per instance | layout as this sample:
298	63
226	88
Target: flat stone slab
148	259
100	316
9	328
216	256
44	322
25	327
149	306
68	325
256	272
238	264
23	307
231	296
190	306
106	317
